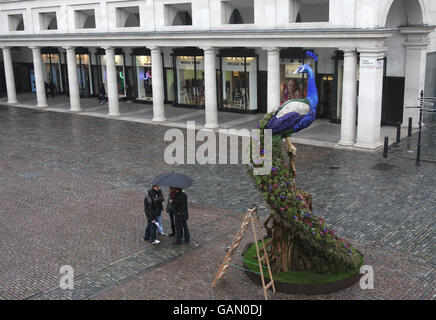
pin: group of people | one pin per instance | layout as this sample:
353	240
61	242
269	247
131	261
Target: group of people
177	208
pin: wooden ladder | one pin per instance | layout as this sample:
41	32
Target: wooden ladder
251	216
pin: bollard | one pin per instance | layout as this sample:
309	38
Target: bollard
409	129
398	132
385	147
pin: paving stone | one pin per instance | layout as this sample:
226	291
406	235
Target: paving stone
72	188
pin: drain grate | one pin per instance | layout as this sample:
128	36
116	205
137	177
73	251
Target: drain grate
383	166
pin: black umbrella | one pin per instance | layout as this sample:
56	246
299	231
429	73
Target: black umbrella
175	180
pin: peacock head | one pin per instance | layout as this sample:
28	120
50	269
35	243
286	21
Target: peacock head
305	68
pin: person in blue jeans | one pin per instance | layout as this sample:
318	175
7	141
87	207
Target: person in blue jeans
158	198
151	214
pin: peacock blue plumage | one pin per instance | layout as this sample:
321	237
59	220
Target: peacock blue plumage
295	115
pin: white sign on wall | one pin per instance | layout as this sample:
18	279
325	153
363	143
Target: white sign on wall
372	63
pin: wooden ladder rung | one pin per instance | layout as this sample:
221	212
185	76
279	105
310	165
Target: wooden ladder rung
269	285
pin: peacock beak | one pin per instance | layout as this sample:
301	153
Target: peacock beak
295	72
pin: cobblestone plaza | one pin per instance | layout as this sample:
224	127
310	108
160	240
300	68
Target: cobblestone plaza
72	189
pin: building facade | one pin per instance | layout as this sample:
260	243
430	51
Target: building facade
374	56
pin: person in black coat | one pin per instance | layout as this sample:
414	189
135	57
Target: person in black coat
180	206
151	214
158	198
102	94
172	193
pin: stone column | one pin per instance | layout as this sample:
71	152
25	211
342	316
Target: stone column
112	86
349	96
211	104
157	85
273	78
73	81
370	98
9	75
41	97
416	55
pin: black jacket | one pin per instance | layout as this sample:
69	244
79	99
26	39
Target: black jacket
150	207
180	204
158	197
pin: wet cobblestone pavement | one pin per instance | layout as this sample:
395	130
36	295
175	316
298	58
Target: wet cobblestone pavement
72	188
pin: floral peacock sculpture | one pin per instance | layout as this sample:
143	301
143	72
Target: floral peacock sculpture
298	239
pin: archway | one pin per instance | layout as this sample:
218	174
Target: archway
236	17
415	11
182	18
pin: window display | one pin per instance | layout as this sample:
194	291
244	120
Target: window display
144	78
52	71
239	83
293	86
120	67
83	62
190	80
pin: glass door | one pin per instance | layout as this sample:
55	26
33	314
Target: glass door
144	78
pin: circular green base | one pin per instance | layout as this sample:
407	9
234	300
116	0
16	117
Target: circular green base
300	282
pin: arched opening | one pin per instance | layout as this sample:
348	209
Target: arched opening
413	9
402	13
237	11
132	21
53	25
89	23
236	17
309	10
20	26
182	18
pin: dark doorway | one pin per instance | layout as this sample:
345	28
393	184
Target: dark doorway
393	100
262	85
324	83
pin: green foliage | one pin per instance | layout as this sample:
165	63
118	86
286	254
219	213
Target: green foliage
328	253
303	277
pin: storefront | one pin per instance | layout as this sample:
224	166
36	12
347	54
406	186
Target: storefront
141	61
120	64
294	86
84	63
189	77
52	69
238	80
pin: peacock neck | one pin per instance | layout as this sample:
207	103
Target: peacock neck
312	94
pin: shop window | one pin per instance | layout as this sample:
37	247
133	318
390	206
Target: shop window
121	72
190	78
309	10
128	17
85	19
237	11
178	14
48	21
83	62
239	83
293	86
16	22
144	83
52	71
